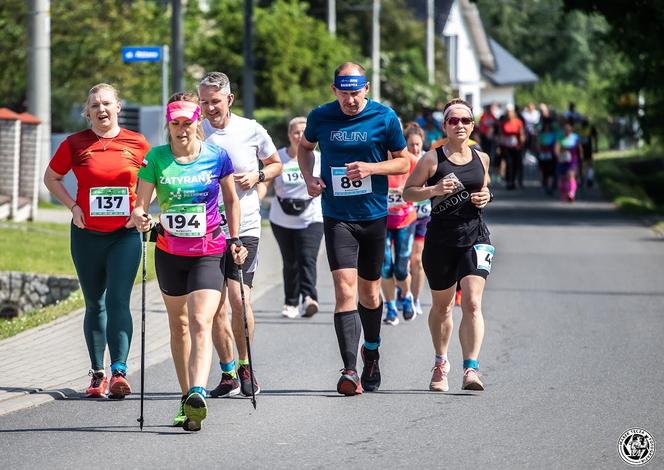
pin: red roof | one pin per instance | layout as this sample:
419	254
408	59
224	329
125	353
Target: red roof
8	114
27	118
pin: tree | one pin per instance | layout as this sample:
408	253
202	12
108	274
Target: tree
636	28
13	60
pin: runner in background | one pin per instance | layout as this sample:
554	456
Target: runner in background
297	224
105	246
569	152
512	139
546	155
588	135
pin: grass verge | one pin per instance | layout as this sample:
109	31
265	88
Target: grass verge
44	248
633	180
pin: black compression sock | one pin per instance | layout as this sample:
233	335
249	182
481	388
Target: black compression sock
371	320
348	327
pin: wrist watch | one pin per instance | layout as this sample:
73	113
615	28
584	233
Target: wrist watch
261	176
235	241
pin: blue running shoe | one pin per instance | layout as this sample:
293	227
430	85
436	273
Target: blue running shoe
408	308
399	299
391	316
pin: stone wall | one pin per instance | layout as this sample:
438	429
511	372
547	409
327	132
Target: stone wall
22	292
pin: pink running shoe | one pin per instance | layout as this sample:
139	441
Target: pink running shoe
471	380
439	377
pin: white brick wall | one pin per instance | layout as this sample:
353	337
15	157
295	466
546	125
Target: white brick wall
10	134
29	165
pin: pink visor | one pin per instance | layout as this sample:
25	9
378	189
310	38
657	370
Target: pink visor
182	109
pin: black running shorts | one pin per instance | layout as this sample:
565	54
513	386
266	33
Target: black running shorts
249	266
359	245
181	275
445	265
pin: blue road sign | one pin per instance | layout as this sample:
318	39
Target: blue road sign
141	54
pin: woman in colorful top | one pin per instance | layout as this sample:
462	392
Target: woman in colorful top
297	224
569	152
457	245
546	155
415	141
105	246
188	175
401	218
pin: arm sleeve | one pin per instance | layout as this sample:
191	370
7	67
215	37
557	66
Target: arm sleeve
61	162
395	138
310	129
148	169
266	147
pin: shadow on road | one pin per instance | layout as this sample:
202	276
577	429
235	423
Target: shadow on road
104	429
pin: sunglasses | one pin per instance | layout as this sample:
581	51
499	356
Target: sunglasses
464	120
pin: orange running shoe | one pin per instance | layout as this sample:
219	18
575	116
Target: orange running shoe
119	387
98	385
457	297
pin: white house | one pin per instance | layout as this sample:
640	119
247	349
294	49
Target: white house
481	71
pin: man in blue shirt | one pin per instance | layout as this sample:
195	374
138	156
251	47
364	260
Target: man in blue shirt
361	142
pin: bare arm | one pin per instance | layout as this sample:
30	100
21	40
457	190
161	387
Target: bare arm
306	160
398	164
53	181
140	215
271	169
483	196
232	209
414	189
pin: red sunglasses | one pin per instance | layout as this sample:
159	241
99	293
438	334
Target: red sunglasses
456	120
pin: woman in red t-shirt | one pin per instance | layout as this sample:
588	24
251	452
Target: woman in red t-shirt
105	246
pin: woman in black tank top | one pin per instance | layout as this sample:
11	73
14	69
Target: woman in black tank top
457	246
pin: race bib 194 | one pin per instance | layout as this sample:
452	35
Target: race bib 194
109	201
185	220
291	174
343	186
484	255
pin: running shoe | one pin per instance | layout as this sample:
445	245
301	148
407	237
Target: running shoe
457	297
417	307
180	417
399	299
370	378
439	377
408	308
290	311
98	385
195	410
471	380
391	316
245	381
228	387
119	387
349	383
309	307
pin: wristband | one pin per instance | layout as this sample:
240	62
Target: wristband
261	176
235	241
72	207
490	196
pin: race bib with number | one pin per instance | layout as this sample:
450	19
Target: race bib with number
423	208
109	201
565	156
185	220
484	255
224	221
343	186
395	198
291	174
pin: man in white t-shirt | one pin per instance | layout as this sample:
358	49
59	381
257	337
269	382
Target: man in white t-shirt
246	142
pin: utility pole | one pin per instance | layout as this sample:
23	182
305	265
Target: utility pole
248	98
332	17
177	44
39	79
431	67
375	51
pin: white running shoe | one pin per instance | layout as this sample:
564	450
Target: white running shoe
309	307
290	311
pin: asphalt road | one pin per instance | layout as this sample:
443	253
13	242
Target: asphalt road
574	319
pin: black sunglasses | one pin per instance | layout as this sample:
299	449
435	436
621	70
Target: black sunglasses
464	120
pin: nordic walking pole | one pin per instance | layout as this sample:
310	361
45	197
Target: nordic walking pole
144	244
246	336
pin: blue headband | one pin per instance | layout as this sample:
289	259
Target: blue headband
350	82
